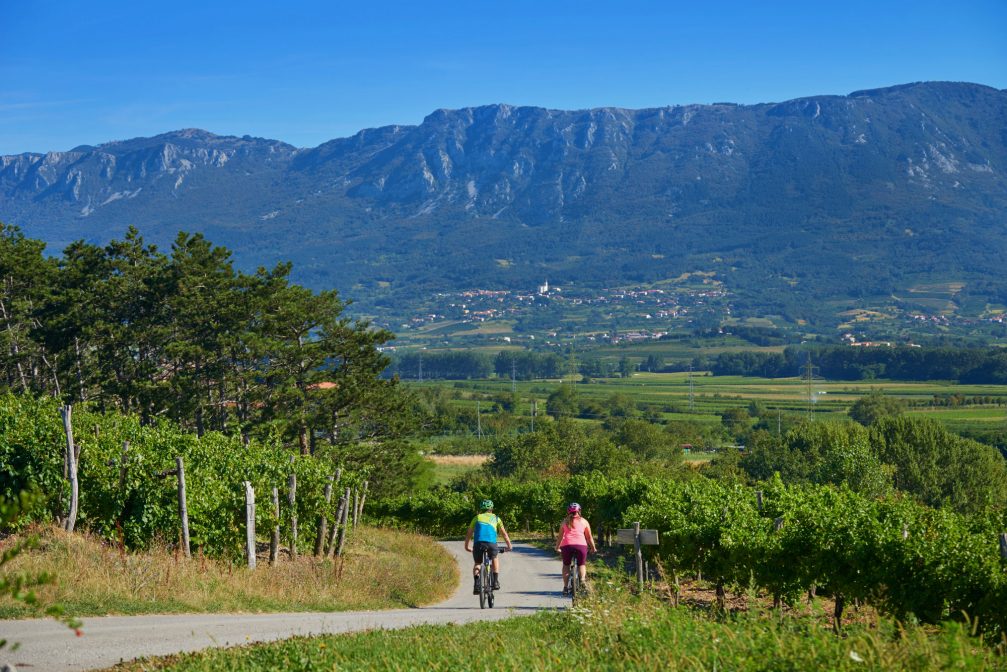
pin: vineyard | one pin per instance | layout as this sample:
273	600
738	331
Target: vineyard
908	560
128	493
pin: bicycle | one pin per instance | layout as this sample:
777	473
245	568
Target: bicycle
486	579
573	581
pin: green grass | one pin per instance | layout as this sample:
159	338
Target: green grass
445	474
613	631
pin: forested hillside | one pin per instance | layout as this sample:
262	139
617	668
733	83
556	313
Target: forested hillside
845	199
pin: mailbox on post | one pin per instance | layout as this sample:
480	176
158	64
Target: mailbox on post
638	538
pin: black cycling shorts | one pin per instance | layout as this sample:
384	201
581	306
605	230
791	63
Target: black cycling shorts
481	547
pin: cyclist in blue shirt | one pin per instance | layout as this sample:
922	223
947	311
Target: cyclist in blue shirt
483	530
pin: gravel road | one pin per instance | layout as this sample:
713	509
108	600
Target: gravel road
529	577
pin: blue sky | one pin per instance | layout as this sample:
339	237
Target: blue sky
74	72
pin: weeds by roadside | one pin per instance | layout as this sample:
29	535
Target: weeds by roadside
383	569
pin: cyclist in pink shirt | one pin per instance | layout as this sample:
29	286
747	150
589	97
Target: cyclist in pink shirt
573	541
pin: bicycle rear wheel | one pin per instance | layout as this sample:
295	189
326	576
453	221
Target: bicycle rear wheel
485	586
574	582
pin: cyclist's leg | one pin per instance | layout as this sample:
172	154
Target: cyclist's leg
477	557
581	555
478	549
494	552
567	554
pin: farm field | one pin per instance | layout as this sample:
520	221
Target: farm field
668	394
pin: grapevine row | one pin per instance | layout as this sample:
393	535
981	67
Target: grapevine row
124	496
907	559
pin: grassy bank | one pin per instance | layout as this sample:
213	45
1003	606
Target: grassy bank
382	569
614	631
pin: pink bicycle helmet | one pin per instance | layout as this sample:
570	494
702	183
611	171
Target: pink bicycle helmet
573	508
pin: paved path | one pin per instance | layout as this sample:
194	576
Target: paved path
529	578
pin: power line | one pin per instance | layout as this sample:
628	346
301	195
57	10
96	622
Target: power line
809	376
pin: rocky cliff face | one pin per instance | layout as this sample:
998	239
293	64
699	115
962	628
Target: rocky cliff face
591	194
544	165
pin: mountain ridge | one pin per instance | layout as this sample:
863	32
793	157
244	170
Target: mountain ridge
910	176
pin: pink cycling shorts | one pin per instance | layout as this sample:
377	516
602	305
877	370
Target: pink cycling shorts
571	552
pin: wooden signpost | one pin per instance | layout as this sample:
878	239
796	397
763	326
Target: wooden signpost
638	538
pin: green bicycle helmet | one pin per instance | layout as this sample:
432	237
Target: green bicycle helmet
486	504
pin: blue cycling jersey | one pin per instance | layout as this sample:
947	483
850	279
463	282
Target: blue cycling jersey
486	525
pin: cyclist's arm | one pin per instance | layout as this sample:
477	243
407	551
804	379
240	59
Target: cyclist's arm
590	539
503	531
468	538
559	537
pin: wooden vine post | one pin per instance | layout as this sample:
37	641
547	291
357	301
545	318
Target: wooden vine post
363	498
292	500
71	463
837	613
323	521
342	536
777	526
342	523
274	542
250	524
638	554
1003	545
183	511
356	507
340	514
328	545
122	465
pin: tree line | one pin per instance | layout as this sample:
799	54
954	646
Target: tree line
964	365
465	365
184	336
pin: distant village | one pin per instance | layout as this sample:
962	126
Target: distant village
635	307
641	313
